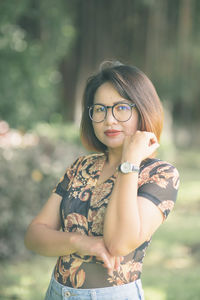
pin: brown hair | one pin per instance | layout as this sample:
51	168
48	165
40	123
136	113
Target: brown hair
132	84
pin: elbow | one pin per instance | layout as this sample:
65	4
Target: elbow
119	249
31	237
122	245
122	248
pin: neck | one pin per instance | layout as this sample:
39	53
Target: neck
114	157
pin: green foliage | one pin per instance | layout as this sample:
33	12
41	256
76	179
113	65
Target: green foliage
25	280
67	132
36	56
28	175
34	36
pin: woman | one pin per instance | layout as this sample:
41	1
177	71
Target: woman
108	204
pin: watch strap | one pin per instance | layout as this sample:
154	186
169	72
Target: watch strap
127	167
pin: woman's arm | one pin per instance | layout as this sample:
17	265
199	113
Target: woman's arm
131	220
44	237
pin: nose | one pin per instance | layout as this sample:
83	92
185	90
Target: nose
110	119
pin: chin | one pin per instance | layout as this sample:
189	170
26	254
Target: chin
112	143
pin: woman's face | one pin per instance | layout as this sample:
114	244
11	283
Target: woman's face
112	132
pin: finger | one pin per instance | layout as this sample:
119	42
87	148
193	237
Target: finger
117	263
110	272
153	140
107	263
112	261
154	147
121	259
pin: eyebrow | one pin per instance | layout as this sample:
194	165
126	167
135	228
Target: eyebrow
125	101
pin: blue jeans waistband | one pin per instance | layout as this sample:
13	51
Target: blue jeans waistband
130	291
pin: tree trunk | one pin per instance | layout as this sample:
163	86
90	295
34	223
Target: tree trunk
106	30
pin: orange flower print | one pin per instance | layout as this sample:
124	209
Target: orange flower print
83	258
73	273
166	205
60	270
97	218
101	194
80	278
90	182
163	172
85	195
175	179
66	258
76	220
158	181
128	273
76	182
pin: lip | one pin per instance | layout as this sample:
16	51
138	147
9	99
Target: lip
112	132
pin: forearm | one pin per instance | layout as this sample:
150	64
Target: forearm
50	242
122	225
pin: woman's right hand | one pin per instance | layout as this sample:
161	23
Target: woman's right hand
94	246
44	237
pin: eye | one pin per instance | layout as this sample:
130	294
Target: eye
123	107
99	108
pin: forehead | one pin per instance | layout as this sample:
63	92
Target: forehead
107	94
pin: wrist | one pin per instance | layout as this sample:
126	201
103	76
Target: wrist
127	167
75	239
133	160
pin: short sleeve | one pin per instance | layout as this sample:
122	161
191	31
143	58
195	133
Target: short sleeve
70	172
159	182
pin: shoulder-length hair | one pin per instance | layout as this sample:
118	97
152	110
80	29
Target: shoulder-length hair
132	84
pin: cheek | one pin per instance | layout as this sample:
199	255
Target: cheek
132	126
97	129
136	121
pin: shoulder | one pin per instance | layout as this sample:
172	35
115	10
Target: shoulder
157	170
155	164
87	159
90	158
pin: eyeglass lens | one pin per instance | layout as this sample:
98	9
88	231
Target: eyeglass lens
121	111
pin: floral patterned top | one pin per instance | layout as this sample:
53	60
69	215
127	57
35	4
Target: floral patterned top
82	210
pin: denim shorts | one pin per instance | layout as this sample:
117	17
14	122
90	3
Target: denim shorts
130	291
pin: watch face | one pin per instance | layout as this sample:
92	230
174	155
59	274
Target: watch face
126	167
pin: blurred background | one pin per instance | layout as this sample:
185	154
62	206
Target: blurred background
47	51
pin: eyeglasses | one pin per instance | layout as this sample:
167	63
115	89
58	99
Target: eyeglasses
121	111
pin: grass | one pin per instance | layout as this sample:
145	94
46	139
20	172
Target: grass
172	265
25	280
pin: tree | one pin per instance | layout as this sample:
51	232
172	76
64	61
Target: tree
105	30
47	51
34	36
157	36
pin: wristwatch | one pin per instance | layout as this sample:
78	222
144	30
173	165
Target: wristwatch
127	167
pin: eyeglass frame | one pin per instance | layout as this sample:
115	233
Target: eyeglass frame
110	106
